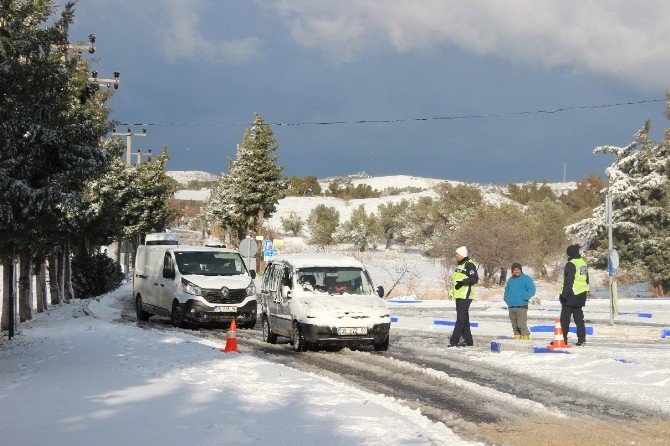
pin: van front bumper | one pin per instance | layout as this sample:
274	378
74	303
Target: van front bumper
324	335
195	311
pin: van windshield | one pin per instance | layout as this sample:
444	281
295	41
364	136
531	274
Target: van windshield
333	281
210	263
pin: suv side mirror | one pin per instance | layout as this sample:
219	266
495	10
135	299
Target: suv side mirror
380	291
252	273
286	292
168	273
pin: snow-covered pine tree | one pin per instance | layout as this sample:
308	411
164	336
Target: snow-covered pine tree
248	194
51	124
639	182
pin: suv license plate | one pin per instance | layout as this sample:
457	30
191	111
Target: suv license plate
225	309
344	331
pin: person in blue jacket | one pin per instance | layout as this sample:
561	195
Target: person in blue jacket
518	291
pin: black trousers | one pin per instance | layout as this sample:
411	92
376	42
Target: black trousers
578	315
462	327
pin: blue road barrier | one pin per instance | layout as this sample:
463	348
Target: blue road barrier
453	323
404	301
495	347
550	329
665	333
394	319
546	350
647	315
625	361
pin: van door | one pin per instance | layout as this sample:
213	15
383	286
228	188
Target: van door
284	317
166	289
269	295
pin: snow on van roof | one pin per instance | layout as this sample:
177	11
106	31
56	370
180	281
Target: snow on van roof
307	260
156	236
199	248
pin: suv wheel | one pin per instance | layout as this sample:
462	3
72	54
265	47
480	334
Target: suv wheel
139	310
299	343
268	335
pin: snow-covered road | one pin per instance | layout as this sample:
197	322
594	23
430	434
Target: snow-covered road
483	396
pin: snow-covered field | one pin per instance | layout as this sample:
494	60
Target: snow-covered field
183	177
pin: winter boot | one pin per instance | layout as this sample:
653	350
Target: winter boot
517	337
525	337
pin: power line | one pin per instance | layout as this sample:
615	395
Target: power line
401	120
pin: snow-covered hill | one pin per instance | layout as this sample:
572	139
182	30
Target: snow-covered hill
183	177
493	194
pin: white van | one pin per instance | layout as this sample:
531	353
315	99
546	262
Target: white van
322	300
194	284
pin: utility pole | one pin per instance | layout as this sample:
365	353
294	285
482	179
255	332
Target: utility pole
109	82
63	49
565	168
129	134
612	260
139	155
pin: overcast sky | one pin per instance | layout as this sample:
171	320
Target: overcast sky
213	63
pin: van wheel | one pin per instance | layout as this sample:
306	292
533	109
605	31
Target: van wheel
299	343
139	310
176	316
268	336
382	346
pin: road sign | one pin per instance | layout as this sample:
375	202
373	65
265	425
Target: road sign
248	247
268	249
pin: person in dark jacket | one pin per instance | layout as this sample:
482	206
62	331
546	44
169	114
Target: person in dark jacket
518	291
463	292
573	294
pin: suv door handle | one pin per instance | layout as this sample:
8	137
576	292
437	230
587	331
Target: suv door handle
155	284
162	284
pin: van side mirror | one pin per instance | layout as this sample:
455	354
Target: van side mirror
380	291
168	273
252	273
286	292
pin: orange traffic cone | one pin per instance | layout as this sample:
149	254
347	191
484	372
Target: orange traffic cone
559	340
231	339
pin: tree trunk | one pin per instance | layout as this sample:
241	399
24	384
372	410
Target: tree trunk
259	231
503	276
67	279
389	241
25	286
7	286
117	255
41	284
54	289
61	275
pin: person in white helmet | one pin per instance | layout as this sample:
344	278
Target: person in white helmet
463	291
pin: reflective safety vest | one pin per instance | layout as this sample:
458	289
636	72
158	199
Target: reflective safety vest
580	285
460	273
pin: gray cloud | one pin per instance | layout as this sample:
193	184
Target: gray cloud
620	39
180	33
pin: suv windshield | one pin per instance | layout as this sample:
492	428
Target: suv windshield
334	281
210	263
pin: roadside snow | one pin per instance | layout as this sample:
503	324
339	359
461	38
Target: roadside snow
75	379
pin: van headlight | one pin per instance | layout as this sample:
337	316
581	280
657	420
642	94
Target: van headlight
190	287
251	290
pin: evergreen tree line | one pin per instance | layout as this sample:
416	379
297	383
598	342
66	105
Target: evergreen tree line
63	189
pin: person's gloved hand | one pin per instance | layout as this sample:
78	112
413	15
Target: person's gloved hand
562	299
459	285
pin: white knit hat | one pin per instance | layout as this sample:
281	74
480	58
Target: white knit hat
462	251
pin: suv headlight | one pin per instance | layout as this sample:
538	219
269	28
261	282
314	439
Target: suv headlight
190	287
251	289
